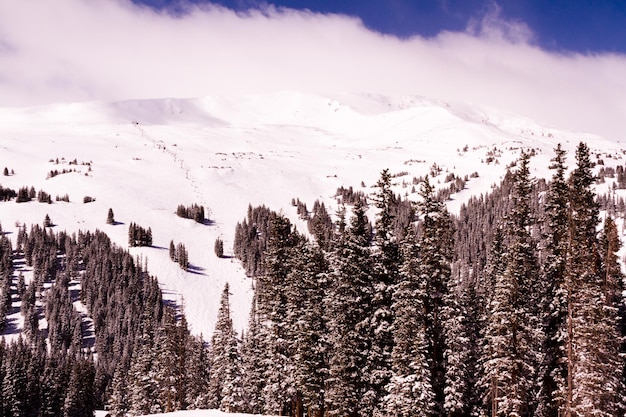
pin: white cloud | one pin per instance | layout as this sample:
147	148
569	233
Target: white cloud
71	50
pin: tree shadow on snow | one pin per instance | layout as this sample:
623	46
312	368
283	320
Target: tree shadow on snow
198	270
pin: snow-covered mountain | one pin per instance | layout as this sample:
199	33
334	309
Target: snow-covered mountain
144	158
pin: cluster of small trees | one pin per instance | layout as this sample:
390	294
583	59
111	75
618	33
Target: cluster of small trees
25	194
219	247
195	212
178	253
251	239
7	194
139	236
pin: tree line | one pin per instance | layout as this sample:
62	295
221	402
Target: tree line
512	308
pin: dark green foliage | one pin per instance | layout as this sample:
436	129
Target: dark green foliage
349	196
218	247
320	225
5	172
7	194
139	236
225	384
110	217
195	212
23	195
44	197
88	199
251	239
178	253
349	310
47	222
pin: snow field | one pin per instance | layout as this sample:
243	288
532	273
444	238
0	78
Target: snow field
147	157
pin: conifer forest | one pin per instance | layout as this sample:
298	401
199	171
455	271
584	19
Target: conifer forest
511	307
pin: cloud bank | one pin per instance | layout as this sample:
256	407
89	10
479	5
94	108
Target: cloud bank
75	50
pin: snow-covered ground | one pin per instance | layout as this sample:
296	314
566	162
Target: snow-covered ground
202	413
147	157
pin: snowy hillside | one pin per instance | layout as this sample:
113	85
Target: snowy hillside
144	158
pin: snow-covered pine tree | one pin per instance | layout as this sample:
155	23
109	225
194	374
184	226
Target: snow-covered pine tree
225	390
386	260
349	312
595	370
79	400
272	287
553	369
410	391
436	244
253	364
142	378
306	317
197	368
513	334
171	340
119	404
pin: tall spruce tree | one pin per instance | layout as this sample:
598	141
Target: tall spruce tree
309	274
410	389
252	355
349	308
272	287
553	369
225	384
594	368
512	333
386	261
435	243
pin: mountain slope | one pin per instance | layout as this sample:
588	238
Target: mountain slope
144	158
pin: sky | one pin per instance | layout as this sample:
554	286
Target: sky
559	62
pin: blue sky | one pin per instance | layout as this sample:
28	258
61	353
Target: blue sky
562	63
564	25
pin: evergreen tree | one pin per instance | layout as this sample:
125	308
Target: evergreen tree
410	389
305	302
594	368
349	307
435	245
252	354
271	291
225	379
386	274
119	404
553	370
512	333
219	247
197	370
143	382
79	400
110	217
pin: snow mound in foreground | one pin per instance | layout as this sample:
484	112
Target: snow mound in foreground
201	413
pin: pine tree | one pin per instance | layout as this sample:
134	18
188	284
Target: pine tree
593	344
110	217
349	306
553	370
410	389
436	245
197	371
219	247
119	404
386	260
79	400
142	376
253	364
225	379
305	302
271	291
512	333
